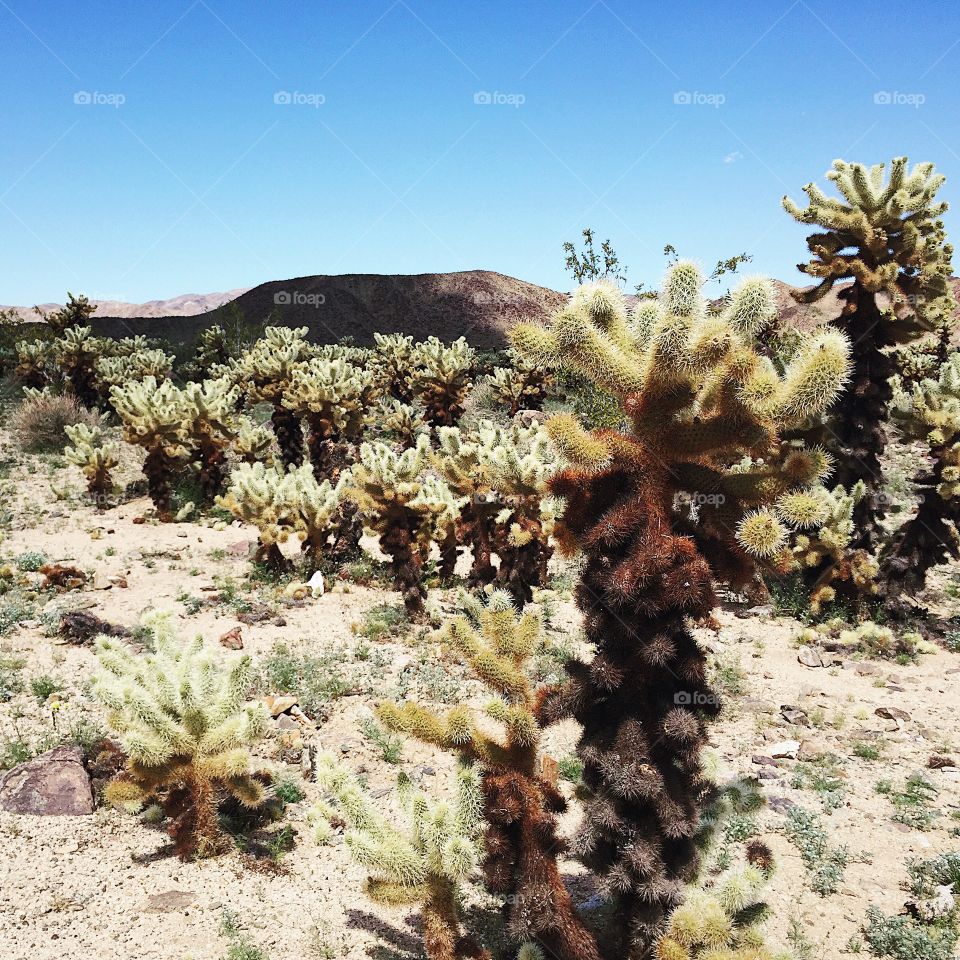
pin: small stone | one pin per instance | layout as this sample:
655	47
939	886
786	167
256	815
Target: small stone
170	901
812	750
278	704
232	639
794	715
286	722
756	705
868	669
780	804
139	520
810	657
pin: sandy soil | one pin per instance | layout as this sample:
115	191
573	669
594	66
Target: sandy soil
106	886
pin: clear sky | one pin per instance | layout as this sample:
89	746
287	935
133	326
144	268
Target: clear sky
685	122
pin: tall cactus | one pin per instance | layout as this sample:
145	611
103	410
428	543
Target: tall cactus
699	398
424	862
930	411
519	803
884	235
94	457
152	414
208	428
404	503
442	377
182	721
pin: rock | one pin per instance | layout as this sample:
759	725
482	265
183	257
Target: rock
286	722
241	549
787	749
812	750
139	520
762	761
756	705
53	784
794	715
764	610
278	704
868	669
170	901
232	639
810	657
893	713
780	804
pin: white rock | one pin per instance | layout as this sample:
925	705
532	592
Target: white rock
785	749
315	583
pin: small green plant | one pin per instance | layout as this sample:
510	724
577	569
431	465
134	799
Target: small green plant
390	746
825	779
44	687
903	938
912	803
11	683
571	768
288	790
30	561
825	864
315	681
867	750
383	621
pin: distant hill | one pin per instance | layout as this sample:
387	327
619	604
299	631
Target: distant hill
477	304
186	305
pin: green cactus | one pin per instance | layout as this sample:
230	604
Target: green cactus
424	861
930	412
207	429
34	367
75	313
182	722
264	372
520	803
152	413
442	377
405	505
94	457
111	371
75	353
393	365
661	512
252	442
884	235
333	397
403	422
523	384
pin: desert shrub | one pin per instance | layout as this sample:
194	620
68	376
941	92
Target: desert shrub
38	424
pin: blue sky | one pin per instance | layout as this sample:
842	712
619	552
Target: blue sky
181	173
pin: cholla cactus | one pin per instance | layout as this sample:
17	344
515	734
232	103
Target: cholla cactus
75	313
94	457
820	547
284	505
119	369
885	235
422	862
393	365
404	504
264	372
257	494
522	384
698	397
442	377
929	411
34	363
522	462
404	421
333	397
182	721
152	414
252	443
75	353
208	410
520	805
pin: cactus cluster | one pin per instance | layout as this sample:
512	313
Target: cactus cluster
441	378
422	861
520	804
700	399
186	731
884	236
282	505
522	384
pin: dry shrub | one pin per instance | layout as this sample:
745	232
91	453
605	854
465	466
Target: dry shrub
37	424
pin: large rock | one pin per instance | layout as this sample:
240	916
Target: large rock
53	784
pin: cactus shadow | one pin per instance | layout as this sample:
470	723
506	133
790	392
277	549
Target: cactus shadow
395	942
